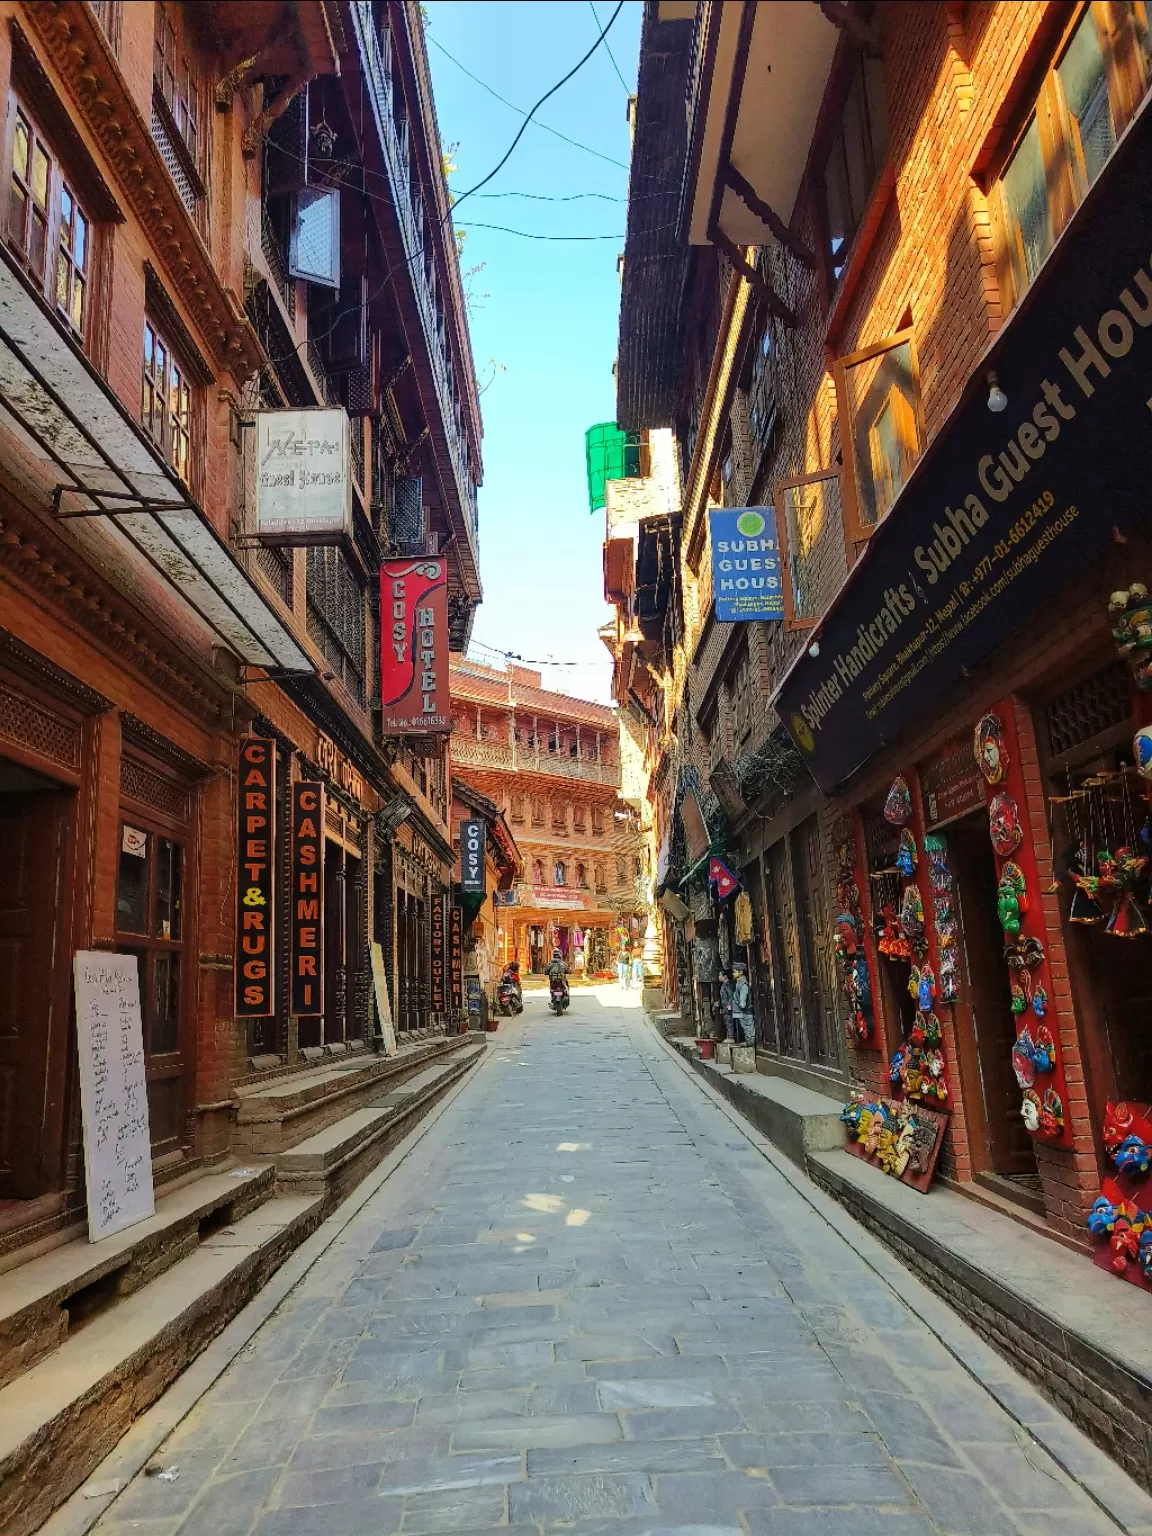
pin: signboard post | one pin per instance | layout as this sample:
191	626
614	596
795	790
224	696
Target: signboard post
472	858
380	991
113	1094
254	970
307	897
439	956
745	564
303	482
414	647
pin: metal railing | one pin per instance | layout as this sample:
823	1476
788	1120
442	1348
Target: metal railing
513	759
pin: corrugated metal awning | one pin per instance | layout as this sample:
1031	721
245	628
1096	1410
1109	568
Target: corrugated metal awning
107	472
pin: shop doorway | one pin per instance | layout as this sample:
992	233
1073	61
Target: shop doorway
35	837
984	1019
805	991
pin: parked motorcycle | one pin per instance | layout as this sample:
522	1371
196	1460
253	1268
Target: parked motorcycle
558	997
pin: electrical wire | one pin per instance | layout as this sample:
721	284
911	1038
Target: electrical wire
611	55
421	249
511	105
526	234
545	197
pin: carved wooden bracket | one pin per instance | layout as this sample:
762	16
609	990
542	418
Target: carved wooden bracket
748	195
844	16
759	282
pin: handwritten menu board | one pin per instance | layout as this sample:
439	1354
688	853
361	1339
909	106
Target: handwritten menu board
117	1145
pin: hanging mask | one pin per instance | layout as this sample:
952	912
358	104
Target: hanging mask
925	988
1004	825
1030	1110
906	855
912	914
1039	1002
898	805
988	749
1022	1063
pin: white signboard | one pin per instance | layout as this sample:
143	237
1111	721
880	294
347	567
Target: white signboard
380	987
303	478
117	1145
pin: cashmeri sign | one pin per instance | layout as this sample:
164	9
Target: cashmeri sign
1003	509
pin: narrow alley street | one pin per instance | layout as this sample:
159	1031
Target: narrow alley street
586	1301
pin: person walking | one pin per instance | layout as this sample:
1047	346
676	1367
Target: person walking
638	971
623	969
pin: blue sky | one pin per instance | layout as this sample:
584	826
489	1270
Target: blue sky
544	311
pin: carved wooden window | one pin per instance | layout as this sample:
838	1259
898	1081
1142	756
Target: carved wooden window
601	879
579	818
597	821
46	223
176	82
741	687
166	406
1099	76
582	876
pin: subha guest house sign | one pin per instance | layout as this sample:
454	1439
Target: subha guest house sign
414	647
255	887
745	564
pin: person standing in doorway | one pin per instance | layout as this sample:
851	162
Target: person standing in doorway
726	1006
743	1022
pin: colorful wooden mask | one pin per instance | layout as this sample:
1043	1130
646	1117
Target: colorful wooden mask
988	749
1004	825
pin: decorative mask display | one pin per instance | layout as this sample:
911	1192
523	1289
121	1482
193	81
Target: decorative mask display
1004	825
1030	1110
898	804
906	856
912	918
988	749
1131	616
1142	751
943	914
848	933
903	1138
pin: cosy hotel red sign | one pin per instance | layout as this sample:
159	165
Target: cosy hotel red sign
414	647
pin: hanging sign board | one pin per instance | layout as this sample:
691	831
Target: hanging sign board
414	647
307	897
113	1094
456	955
255	970
303	478
472	858
383	1007
439	946
745	564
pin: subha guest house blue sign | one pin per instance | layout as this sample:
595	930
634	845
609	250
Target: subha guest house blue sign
745	564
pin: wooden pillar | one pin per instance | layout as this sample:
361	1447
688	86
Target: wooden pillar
479	733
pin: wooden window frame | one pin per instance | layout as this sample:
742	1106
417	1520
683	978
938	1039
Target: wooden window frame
829	129
1046	106
856	532
791	621
174	359
58	184
179	95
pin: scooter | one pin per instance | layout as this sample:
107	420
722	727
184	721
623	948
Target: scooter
508	999
558	997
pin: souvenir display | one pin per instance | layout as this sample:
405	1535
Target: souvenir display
912	919
1131	616
1142	751
906	856
943	915
891	941
1127	1137
1122	1217
920	1072
1004	825
1011	897
898	805
855	982
903	1139
988	749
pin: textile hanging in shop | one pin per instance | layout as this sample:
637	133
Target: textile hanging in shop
742	918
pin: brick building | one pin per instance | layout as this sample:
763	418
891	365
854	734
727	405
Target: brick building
212	212
552	763
872	295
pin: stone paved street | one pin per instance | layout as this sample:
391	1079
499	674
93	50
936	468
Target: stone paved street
586	1303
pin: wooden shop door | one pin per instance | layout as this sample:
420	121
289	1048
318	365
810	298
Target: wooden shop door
984	1008
34	987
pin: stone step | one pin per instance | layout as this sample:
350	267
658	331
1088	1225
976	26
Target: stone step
63	1415
331	1161
48	1297
279	1113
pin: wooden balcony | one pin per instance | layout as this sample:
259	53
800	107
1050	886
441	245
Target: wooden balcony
506	757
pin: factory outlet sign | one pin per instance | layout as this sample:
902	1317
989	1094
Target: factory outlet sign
1004	509
414	647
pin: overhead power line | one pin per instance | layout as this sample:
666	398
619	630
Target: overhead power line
527	234
511	105
611	55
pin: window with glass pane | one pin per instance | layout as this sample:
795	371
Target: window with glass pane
881	391
166	407
176	81
133	880
856	152
72	261
149	925
1098	78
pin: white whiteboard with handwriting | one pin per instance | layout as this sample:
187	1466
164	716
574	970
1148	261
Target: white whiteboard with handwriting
117	1144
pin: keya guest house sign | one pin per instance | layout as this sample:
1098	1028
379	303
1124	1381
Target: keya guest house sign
255	886
307	897
1003	509
113	1093
303	484
414	647
745	564
472	858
